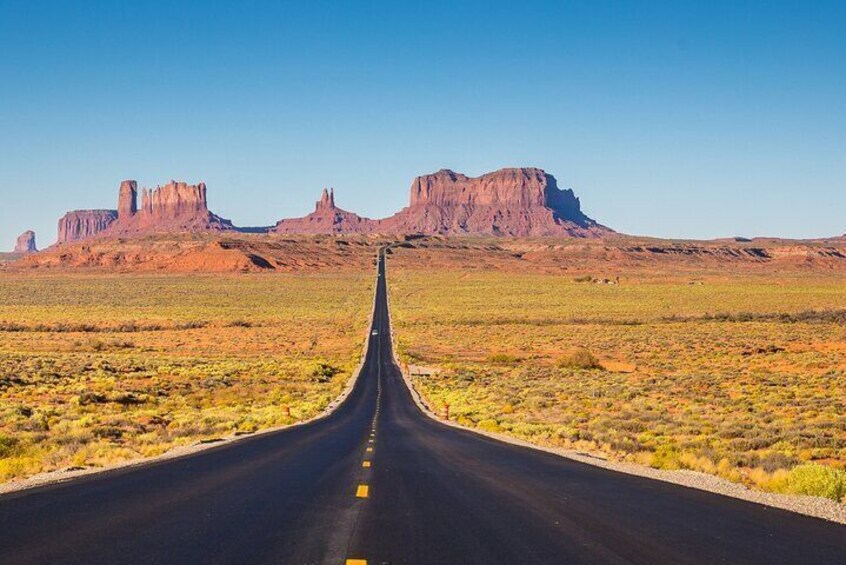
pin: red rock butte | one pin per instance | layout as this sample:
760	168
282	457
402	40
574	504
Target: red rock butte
82	224
327	219
26	243
174	207
520	202
508	202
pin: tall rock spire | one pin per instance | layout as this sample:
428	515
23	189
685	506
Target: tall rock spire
327	200
127	200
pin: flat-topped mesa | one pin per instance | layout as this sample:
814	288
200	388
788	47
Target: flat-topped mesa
82	224
510	202
523	202
326	219
26	243
174	200
508	188
176	206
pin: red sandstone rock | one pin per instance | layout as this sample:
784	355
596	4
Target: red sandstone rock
327	201
176	206
127	200
327	218
82	224
510	202
26	243
514	202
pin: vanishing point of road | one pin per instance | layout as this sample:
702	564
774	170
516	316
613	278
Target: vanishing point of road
378	482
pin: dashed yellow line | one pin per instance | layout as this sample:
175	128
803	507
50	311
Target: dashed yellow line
369	450
365	464
356	562
363	491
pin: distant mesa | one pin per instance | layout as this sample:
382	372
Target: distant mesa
26	243
522	202
83	224
327	219
174	207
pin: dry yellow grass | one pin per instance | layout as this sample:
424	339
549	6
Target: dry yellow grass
743	377
96	369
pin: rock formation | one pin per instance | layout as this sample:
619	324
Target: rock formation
327	218
510	202
127	200
82	224
26	243
523	202
327	200
176	206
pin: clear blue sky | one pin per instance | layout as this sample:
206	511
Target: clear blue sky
678	119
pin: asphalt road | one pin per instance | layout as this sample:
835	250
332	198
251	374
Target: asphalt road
430	495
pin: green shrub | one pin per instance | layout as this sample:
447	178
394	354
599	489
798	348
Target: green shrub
817	480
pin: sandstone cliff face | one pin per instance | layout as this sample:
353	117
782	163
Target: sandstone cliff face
83	224
176	206
327	219
127	200
522	202
510	202
26	242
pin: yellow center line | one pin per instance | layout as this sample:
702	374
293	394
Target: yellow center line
356	562
369	450
363	491
365	464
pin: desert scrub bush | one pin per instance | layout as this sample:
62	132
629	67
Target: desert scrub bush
579	359
208	357
504	359
817	480
745	395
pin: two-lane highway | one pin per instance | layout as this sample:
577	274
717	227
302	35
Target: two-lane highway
379	482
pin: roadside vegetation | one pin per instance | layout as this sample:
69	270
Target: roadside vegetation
97	369
743	377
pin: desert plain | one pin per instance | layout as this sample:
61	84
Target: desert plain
725	357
